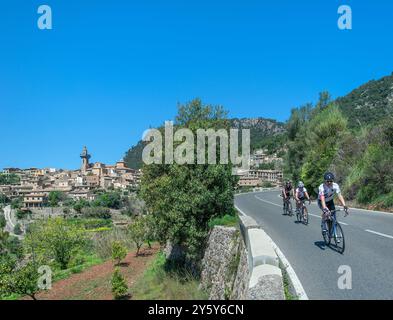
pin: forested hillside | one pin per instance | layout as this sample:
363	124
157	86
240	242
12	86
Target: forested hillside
353	137
369	103
265	133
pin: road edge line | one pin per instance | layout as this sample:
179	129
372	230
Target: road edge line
297	285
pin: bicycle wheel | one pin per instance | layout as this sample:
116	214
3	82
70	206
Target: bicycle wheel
339	239
298	215
326	235
305	215
290	210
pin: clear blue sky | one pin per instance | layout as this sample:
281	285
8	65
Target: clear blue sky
110	69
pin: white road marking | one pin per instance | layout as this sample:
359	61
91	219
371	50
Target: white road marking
238	209
379	234
274	204
297	285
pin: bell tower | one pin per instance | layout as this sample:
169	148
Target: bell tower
85	160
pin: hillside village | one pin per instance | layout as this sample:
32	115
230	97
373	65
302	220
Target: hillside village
34	185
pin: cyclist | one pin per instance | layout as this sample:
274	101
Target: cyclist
327	190
286	192
300	195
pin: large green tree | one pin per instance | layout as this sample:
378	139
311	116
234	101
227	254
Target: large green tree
55	239
321	144
183	198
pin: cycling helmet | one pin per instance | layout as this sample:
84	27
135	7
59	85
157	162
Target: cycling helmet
289	183
329	176
301	184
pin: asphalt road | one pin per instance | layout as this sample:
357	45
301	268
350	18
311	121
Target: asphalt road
8	217
369	248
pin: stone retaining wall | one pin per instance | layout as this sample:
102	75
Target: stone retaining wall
241	265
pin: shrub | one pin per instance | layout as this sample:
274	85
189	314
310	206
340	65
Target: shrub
384	201
3	222
267	184
119	252
66	212
102	242
137	231
21	214
55	197
4	199
78	206
18	229
108	199
16	203
119	285
24	281
56	239
96	212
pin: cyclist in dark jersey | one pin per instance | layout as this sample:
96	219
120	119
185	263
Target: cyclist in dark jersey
286	191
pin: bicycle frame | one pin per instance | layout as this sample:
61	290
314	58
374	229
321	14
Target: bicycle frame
333	219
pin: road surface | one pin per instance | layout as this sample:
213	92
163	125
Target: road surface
369	248
8	218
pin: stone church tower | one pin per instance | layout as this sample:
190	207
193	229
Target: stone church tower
85	160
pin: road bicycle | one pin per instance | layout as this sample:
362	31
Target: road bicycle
288	207
302	213
334	231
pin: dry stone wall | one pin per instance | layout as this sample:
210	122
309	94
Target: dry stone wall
241	265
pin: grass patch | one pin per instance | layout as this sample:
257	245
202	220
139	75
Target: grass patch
159	284
90	261
226	221
384	201
11	297
288	289
64	274
90	223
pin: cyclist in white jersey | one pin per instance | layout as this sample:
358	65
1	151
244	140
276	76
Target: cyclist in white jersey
300	195
326	194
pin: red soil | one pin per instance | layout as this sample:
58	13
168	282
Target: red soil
95	282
